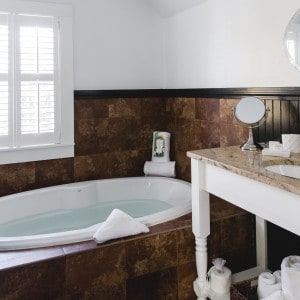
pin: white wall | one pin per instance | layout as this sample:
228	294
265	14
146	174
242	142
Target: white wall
118	44
232	43
167	8
122	44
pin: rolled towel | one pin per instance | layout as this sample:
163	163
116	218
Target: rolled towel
290	277
166	169
275	296
118	224
267	285
277	275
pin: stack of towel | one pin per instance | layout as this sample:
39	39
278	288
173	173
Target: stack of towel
284	284
160	165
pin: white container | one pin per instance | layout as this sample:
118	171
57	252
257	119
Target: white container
220	282
291	142
161	146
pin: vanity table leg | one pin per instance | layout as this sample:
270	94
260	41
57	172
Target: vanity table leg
201	286
201	227
261	243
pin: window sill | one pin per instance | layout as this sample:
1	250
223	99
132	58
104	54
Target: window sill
35	153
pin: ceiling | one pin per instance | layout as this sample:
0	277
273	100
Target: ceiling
167	8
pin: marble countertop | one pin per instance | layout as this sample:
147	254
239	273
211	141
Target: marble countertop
250	164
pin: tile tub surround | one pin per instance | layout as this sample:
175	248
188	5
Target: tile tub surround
159	264
114	136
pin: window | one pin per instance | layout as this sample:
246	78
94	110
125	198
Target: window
36	89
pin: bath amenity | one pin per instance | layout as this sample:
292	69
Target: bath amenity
74	212
160	165
161	146
220	279
284	284
117	225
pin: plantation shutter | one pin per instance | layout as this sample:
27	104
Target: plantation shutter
37	99
29	98
4	80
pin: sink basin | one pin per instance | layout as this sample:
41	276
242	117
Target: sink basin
285	170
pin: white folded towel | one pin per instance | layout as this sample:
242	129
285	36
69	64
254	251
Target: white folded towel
166	169
290	277
281	153
267	285
118	224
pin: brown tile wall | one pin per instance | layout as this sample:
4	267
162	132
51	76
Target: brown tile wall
113	139
199	123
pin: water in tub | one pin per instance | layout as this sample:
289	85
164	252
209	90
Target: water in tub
70	219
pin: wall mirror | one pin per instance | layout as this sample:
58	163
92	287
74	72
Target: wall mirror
250	112
292	40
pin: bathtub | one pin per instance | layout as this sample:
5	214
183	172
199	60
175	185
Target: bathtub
72	213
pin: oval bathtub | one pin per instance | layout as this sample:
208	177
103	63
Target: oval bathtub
73	212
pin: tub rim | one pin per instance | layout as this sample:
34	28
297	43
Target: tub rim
68	237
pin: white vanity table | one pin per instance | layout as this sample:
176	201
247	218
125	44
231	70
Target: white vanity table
240	178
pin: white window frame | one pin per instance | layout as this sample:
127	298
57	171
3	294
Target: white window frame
65	148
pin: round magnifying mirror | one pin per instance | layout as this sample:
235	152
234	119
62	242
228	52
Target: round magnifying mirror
250	112
292	40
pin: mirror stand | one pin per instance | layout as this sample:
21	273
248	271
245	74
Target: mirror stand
250	112
251	145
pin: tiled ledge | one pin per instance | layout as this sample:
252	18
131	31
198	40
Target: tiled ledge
160	263
220	210
11	259
112	270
